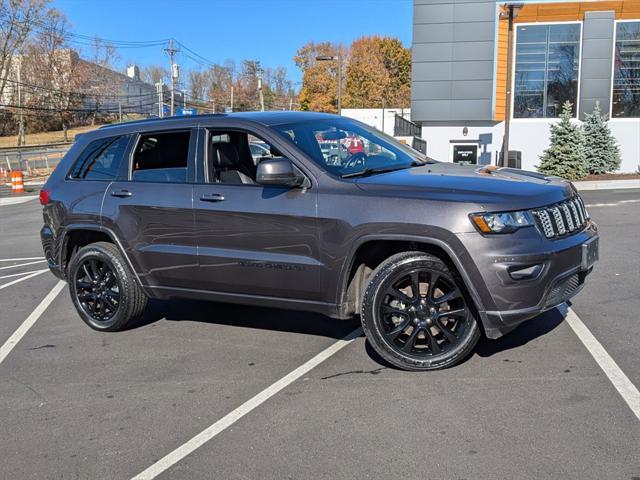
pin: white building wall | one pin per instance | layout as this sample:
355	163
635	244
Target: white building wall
531	137
373	116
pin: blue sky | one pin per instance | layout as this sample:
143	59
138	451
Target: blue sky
268	30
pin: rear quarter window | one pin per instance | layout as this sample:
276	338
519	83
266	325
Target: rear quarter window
100	160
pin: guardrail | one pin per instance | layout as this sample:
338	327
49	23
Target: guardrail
35	160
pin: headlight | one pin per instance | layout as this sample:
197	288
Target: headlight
505	222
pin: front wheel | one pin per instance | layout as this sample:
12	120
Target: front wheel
103	288
416	315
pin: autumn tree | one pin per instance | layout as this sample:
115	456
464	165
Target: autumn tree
319	78
376	69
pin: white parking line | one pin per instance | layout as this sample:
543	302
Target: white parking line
614	204
37	272
22	273
30	321
20	259
232	417
21	265
620	381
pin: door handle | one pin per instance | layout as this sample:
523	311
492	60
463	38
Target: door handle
212	197
121	193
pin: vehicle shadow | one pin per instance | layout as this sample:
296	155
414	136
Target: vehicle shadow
291	321
523	334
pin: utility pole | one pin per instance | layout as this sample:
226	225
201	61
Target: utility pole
120	111
21	124
260	93
510	16
184	99
232	98
213	105
171	50
159	86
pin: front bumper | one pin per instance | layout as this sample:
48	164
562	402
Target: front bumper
556	272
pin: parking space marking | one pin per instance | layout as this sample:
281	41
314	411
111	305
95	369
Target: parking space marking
23	259
21	265
36	273
620	381
30	321
225	422
21	273
614	204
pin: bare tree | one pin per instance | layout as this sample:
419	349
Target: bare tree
56	70
154	74
18	18
101	81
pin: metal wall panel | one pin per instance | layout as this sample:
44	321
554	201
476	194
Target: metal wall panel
595	71
453	60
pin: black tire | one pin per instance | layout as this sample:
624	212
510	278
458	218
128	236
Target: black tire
416	331
103	288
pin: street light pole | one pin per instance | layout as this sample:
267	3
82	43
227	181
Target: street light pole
336	58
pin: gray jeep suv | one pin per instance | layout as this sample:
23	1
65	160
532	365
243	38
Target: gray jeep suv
429	254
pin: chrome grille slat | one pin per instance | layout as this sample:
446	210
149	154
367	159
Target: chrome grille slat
562	218
567	216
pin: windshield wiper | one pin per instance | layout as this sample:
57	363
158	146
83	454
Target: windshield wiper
372	171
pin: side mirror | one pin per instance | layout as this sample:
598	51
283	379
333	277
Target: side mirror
279	171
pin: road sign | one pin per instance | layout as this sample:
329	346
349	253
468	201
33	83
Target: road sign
181	112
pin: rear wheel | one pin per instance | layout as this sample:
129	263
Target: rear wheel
416	315
103	288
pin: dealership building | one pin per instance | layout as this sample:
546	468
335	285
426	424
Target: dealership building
481	67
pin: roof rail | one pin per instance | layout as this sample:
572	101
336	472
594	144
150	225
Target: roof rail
155	119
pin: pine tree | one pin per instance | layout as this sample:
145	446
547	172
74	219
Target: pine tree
565	156
600	147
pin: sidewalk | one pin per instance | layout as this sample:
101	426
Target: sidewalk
607	184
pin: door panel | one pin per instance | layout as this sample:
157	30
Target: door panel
152	216
154	222
257	240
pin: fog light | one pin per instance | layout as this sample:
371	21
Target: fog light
525	273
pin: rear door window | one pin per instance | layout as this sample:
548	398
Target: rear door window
101	159
161	157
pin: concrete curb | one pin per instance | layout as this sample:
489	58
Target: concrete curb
16	200
607	184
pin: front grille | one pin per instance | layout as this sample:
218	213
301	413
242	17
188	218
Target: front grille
562	218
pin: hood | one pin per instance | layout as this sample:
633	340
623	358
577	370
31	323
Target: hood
502	188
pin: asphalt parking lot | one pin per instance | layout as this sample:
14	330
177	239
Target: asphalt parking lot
535	404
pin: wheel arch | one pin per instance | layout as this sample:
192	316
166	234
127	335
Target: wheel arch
369	251
87	234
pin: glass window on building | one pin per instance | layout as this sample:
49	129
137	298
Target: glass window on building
626	71
546	69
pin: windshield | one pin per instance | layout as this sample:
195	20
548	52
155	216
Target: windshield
346	147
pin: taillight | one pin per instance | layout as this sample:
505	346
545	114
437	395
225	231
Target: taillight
44	197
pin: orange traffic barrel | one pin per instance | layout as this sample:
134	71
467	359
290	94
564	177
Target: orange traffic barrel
17	182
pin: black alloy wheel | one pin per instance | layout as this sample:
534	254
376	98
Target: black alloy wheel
97	289
416	313
422	312
103	288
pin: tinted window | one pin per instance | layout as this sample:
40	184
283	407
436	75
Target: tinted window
546	72
161	157
101	159
626	71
